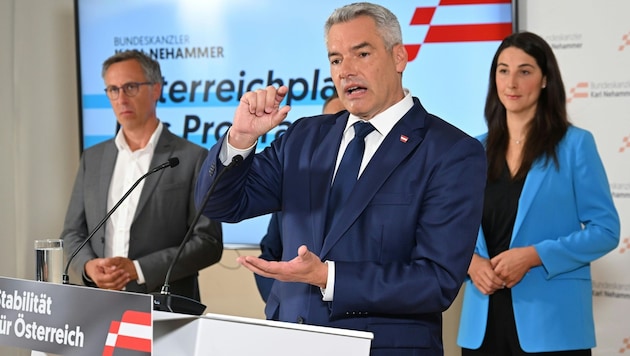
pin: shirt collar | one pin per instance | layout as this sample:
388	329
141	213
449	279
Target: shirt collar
122	145
385	121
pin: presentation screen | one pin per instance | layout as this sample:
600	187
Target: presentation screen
212	51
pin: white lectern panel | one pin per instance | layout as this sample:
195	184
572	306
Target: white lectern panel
223	335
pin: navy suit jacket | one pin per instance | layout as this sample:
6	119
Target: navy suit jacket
270	250
404	239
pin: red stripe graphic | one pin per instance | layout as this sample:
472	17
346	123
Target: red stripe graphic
474	2
136	317
114	327
132	332
412	51
422	15
108	351
468	33
626	41
133	343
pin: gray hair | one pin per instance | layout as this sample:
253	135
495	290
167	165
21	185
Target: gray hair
386	22
150	67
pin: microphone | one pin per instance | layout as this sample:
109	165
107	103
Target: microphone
164	300
172	162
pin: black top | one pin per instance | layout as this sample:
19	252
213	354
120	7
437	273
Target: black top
499	211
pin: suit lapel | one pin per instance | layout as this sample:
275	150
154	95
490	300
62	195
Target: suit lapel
323	160
532	184
162	153
108	162
401	141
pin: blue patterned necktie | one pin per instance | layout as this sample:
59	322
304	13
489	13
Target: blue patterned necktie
348	171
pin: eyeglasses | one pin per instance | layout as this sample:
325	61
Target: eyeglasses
130	89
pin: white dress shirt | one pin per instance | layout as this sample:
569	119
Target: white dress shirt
129	167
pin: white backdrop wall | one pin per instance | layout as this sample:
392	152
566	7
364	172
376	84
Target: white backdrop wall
38	135
591	39
38	117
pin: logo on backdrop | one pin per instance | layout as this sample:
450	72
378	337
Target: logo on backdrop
579	91
163	47
625	41
562	41
456	32
625	144
626	345
611	290
597	90
620	190
624	245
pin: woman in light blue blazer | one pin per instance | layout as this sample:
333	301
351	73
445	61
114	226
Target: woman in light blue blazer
548	213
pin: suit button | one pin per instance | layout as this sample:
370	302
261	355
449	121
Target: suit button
300	320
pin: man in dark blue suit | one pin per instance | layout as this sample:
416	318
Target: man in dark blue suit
389	258
271	243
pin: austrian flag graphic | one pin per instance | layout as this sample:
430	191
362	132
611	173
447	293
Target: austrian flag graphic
449	22
132	332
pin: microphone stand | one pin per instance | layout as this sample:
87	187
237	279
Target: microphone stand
172	162
164	300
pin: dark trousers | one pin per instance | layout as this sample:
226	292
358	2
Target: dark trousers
501	338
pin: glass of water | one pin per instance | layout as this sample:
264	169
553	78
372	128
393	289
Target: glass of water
49	260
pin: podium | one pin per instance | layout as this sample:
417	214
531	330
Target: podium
73	320
223	335
76	320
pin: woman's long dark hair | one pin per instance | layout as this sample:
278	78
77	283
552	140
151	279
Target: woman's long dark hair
550	122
